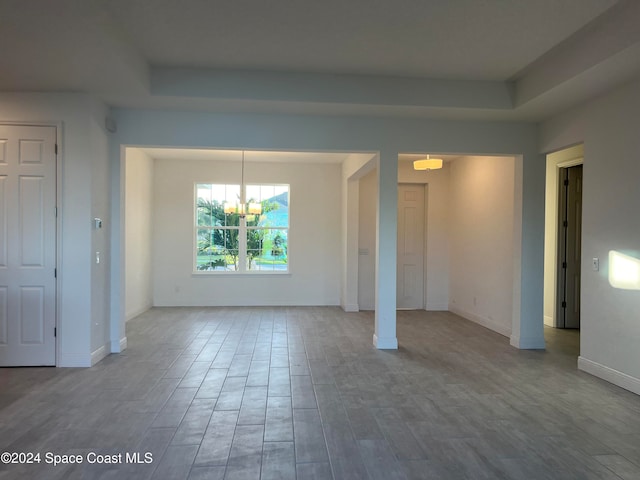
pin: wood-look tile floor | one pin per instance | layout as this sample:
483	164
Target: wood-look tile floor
284	393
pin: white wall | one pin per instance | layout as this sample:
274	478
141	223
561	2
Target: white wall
78	118
368	190
573	156
354	167
481	251
437	235
314	247
436	239
100	238
355	134
138	227
608	126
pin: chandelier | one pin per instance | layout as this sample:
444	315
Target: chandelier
241	207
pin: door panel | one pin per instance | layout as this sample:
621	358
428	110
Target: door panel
410	261
31	152
4	240
32	320
27	245
31	219
570	247
4	315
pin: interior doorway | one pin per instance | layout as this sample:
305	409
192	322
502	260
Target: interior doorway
569	247
562	257
411	234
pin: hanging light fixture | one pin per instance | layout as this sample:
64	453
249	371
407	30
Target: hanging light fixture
242	208
427	164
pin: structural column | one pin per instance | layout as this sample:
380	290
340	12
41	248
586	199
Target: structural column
528	296
384	336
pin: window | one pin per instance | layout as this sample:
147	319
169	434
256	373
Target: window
230	242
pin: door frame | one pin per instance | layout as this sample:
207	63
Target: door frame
425	187
561	279
58	236
551	281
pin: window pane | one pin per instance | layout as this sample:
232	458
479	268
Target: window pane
231	259
280	189
204	252
203	203
232	194
230	219
255	241
217	232
203	190
275	206
266	192
228	238
218	193
253	193
267	250
210	204
203	213
217	249
275	214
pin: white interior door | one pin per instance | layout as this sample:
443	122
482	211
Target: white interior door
27	245
410	273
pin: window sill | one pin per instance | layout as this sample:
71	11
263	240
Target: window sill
239	274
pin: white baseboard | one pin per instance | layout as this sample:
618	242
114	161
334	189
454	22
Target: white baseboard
485	322
351	307
548	321
74	360
527	343
437	307
118	346
390	343
139	311
610	375
99	354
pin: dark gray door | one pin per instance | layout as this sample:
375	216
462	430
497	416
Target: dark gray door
569	247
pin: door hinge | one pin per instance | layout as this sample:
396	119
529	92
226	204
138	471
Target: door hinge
55	331
55	211
564	304
56	148
565	224
564	264
566	181
55	273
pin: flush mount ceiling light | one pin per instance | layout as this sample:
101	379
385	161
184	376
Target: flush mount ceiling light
242	208
427	163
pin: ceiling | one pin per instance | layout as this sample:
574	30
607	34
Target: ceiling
493	59
272	156
252	156
452	40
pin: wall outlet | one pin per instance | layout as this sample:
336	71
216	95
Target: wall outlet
596	264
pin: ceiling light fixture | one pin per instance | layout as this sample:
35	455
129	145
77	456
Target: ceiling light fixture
241	207
427	163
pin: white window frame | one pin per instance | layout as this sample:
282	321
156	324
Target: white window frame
242	229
